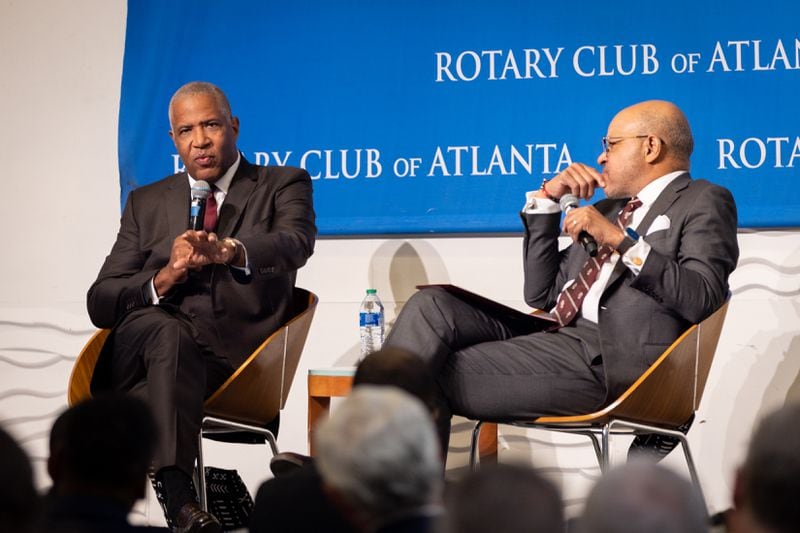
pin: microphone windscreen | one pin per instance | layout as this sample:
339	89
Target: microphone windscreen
201	189
568	201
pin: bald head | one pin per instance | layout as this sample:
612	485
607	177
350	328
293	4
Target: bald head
666	121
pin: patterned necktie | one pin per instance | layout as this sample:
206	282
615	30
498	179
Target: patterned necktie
570	300
210	217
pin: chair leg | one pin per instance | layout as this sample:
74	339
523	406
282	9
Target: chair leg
473	448
605	460
201	473
670	433
690	463
598	451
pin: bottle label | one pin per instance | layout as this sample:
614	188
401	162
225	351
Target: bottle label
369	319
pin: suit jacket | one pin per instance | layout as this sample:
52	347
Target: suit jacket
269	209
683	280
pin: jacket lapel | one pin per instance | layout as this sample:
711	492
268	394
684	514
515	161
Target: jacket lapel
242	186
176	204
667	197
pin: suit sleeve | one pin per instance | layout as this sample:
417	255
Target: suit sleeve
693	282
119	285
292	231
543	264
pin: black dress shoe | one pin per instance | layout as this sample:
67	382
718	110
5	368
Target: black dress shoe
655	446
192	519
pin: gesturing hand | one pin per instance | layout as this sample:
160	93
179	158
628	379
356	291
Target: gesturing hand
193	250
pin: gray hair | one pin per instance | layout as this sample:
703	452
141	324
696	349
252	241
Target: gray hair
643	497
380	451
202	87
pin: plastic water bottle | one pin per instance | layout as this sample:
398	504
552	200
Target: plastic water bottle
370	321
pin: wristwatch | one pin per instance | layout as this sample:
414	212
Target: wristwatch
631	238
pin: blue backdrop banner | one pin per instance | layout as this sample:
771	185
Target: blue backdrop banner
436	117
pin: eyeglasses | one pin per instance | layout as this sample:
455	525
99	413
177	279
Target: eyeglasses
608	142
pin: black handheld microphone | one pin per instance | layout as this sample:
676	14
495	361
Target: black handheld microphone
567	203
197	207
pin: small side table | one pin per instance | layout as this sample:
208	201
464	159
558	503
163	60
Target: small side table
326	383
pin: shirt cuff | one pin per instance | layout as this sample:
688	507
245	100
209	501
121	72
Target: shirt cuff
635	257
246	268
539	206
150	295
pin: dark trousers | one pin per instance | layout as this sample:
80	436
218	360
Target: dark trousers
491	367
157	354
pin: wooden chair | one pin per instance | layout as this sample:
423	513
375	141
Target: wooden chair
662	399
249	400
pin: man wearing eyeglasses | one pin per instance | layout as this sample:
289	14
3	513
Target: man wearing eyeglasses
667	244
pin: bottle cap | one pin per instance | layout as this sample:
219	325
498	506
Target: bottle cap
371	291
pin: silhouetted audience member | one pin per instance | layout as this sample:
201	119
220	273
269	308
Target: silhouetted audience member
100	451
380	461
643	497
399	368
295	501
19	501
767	485
506	498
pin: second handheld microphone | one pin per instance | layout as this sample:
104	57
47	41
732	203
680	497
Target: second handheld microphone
567	203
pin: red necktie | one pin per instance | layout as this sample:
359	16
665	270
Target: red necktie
210	218
570	300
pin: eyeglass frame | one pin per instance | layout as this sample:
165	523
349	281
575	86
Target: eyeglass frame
604	141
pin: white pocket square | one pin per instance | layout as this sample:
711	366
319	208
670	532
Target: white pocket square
660	223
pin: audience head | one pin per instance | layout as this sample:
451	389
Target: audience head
399	368
103	447
504	497
768	484
643	497
19	500
378	455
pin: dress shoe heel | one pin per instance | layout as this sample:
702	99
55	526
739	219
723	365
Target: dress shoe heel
192	519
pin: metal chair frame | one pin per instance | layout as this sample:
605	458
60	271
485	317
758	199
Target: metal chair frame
661	399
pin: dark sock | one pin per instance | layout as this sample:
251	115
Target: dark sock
655	446
178	489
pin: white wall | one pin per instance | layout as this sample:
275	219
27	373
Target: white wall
62	61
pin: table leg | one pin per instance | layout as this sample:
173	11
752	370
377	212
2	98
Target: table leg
487	443
318	408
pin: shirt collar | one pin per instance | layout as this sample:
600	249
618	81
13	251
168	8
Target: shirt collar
652	190
224	183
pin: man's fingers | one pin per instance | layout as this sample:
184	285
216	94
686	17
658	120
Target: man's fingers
581	180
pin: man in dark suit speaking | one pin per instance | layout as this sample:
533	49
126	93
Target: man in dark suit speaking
667	244
187	307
